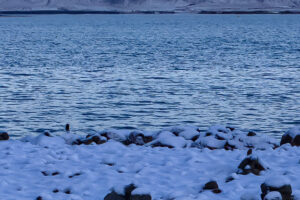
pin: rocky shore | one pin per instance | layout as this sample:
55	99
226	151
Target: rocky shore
179	162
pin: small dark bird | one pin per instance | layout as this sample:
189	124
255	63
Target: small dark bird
67	127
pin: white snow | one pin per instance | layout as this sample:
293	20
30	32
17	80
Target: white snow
92	171
168	138
273	196
276	181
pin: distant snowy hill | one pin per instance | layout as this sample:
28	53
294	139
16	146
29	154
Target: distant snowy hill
150	5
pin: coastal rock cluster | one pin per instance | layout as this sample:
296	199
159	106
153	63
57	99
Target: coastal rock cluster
216	137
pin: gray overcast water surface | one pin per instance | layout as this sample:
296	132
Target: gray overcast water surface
149	72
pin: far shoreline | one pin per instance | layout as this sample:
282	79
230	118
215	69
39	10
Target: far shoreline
81	12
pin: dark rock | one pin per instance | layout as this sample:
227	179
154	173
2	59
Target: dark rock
211	185
284	190
76	174
219	137
208	134
55	191
255	167
67	127
39	198
296	141
128	190
217	191
251	134
286	139
128	196
211	148
195	138
229	146
176	133
89	140
110	164
47	134
77	142
141	197
45	173
249	152
67	191
55	173
229	179
4	136
114	196
230	128
105	134
222	131
138	138
97	140
159	144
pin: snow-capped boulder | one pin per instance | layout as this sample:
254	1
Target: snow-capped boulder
279	184
138	138
97	139
127	194
45	140
168	139
4	136
117	135
292	136
187	132
251	164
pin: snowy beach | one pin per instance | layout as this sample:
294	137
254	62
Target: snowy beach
121	81
174	163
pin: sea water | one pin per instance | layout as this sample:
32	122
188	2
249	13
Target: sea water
148	72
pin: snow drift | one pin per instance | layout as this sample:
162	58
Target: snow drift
158	165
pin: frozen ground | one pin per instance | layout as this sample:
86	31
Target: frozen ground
50	167
156	5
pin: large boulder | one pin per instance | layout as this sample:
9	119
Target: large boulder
251	164
114	196
292	136
127	194
138	138
90	139
276	184
168	139
4	136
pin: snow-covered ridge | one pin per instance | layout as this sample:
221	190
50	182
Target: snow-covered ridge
180	163
150	5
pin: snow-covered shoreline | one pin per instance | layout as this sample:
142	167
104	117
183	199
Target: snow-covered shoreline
174	163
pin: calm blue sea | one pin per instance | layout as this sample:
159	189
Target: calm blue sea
149	72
